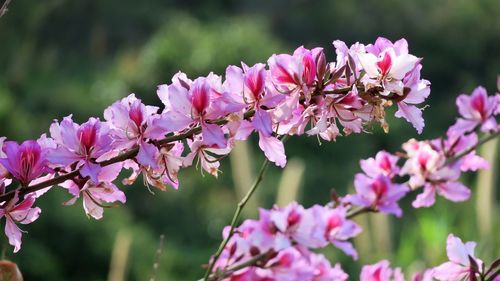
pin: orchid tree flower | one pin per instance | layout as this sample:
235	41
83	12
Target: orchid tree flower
477	109
249	84
460	255
390	65
131	124
96	194
80	145
207	156
169	162
426	167
336	228
25	162
18	212
384	163
381	271
191	103
379	193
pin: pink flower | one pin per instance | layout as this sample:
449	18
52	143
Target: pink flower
384	163
194	103
478	109
418	91
81	144
426	167
379	193
131	124
205	155
294	72
423	276
248	85
380	272
169	162
392	67
24	162
386	68
337	229
15	212
456	144
458	267
96	194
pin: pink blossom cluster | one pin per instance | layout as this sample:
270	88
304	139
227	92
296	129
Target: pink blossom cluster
279	246
462	265
435	165
294	94
286	236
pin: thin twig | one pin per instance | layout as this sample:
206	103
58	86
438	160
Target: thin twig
254	260
159	252
4	8
479	143
236	216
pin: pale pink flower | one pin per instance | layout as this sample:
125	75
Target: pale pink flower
208	157
169	162
96	194
458	267
380	271
426	167
18	212
384	163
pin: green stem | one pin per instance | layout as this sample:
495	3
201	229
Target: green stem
236	216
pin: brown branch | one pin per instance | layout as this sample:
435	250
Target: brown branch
129	154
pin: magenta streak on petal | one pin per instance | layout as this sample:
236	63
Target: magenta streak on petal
135	114
385	64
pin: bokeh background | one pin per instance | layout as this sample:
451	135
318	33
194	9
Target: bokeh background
60	57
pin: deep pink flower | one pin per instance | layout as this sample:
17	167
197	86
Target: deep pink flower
381	271
478	109
24	162
18	212
379	193
81	144
131	124
458	267
294	72
196	103
248	86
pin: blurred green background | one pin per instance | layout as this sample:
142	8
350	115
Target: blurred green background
60	57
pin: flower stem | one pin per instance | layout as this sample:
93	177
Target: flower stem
236	216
